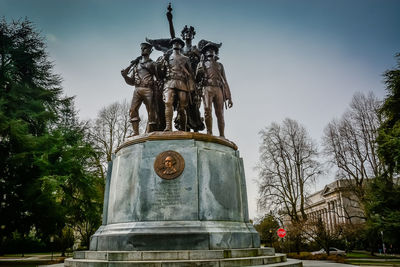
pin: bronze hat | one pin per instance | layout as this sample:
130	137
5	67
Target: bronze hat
204	45
145	44
177	40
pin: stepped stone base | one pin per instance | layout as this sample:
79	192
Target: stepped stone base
181	258
198	218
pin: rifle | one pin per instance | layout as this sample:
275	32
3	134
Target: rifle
133	63
171	25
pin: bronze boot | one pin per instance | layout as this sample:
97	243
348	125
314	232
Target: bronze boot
183	120
135	126
208	120
221	128
151	127
168	119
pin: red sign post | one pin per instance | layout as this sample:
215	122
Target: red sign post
281	232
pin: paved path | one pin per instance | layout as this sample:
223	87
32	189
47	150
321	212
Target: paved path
305	264
324	264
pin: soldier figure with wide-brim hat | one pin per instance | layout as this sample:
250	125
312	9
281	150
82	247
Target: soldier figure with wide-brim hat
211	75
203	45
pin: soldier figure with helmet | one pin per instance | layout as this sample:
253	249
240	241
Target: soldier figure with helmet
178	77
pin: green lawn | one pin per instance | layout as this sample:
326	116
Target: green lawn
381	260
32	254
365	255
374	263
39	255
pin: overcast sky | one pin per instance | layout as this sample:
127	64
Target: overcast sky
298	59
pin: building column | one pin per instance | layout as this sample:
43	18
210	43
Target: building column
330	215
329	219
333	214
326	222
336	214
342	209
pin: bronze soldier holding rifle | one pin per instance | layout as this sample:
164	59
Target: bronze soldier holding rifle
143	78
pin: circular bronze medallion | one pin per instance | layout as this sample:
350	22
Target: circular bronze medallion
169	164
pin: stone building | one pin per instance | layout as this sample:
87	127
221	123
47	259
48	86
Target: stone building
334	204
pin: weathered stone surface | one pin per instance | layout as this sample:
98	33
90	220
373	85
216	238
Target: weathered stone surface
266	251
179	254
203	208
79	254
165	255
180	258
244	192
96	255
231	240
125	256
106	193
206	254
191	264
240	253
272	259
167	234
219	172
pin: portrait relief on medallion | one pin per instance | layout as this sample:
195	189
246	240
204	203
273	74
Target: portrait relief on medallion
169	164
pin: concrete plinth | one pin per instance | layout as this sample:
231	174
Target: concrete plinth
181	258
204	208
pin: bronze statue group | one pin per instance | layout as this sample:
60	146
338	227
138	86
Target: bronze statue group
183	77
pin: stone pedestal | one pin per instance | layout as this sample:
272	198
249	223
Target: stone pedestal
182	258
204	208
176	199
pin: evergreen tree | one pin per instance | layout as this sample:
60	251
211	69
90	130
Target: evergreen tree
267	228
384	191
46	179
383	213
70	171
389	134
29	99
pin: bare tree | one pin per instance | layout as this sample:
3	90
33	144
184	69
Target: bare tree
287	167
350	144
317	231
110	129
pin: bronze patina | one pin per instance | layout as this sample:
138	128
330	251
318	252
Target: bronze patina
169	165
178	77
182	78
216	92
194	119
177	135
142	76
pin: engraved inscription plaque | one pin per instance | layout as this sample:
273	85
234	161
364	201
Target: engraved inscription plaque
169	195
169	164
